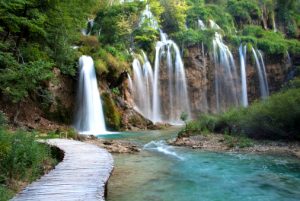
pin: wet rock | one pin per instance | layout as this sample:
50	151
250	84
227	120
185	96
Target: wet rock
115	146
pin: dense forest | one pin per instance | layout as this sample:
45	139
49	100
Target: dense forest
39	37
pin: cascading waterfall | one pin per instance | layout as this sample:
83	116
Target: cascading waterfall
160	93
226	75
89	116
243	53
178	100
201	25
148	15
262	75
142	86
146	84
87	31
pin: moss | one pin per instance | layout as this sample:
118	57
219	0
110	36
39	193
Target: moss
111	112
100	66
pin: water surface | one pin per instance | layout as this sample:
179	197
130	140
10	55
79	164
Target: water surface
165	173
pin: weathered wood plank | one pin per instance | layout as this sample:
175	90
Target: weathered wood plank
82	175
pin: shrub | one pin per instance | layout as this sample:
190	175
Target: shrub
3	119
274	118
22	158
244	12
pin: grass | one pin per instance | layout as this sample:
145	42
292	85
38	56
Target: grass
22	160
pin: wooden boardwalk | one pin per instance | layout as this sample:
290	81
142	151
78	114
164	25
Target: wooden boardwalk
81	176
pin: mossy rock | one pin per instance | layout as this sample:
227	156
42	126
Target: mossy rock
111	112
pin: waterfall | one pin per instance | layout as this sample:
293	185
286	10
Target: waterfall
130	83
142	85
288	59
147	15
89	115
148	90
178	100
201	24
89	27
226	84
262	75
214	25
243	52
160	101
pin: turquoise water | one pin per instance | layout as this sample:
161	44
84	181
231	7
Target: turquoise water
165	173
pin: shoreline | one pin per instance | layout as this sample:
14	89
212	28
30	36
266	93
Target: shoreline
218	143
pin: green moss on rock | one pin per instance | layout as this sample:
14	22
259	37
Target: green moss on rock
111	112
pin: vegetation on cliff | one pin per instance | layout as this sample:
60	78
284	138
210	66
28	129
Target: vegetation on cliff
275	118
36	36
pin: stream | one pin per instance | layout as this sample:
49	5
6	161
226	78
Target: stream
165	173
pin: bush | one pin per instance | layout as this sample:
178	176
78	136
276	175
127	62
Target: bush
3	119
244	12
191	37
268	41
277	117
22	158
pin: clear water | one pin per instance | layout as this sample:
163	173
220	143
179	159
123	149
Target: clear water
155	175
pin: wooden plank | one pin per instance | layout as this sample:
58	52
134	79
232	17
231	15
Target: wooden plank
82	175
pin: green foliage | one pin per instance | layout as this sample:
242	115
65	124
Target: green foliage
210	12
274	118
22	158
289	17
5	193
183	116
144	37
112	61
111	113
243	11
17	81
116	23
174	15
3	119
36	36
116	91
237	141
191	37
268	41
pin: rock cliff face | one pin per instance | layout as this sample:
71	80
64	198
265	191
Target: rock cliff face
200	75
53	108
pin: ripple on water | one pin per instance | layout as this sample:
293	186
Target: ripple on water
203	176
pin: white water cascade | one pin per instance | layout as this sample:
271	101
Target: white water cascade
201	25
142	86
226	76
89	26
147	86
243	53
168	52
262	75
147	16
89	115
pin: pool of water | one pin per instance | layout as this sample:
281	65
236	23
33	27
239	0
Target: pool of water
165	173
